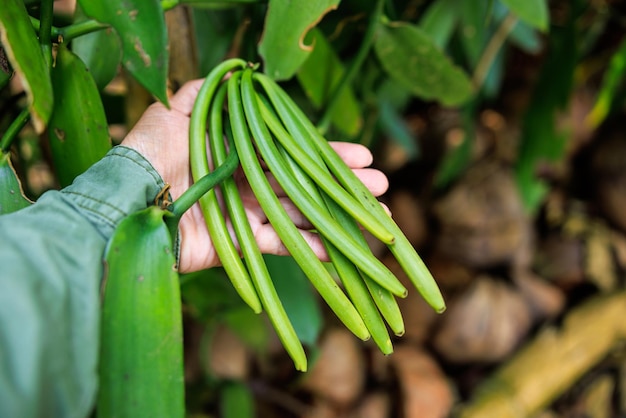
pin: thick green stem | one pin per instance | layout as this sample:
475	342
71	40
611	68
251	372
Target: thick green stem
200	188
356	64
15	128
44	29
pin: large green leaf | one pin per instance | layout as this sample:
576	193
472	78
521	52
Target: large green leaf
409	55
78	129
100	51
319	76
297	296
20	43
287	22
11	195
140	25
141	344
533	12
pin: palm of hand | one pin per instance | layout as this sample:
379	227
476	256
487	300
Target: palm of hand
161	136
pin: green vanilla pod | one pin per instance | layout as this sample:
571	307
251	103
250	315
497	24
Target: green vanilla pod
348	273
287	231
214	218
317	215
401	248
250	250
141	358
78	129
384	299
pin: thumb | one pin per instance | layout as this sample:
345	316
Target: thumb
184	99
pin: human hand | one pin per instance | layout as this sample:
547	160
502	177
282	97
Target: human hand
161	136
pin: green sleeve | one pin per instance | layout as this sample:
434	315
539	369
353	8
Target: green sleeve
50	272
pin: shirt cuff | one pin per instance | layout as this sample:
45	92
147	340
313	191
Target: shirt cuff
121	183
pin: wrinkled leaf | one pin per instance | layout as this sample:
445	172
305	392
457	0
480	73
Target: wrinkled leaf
283	46
78	130
533	12
319	76
100	51
297	296
410	57
11	194
22	48
439	21
140	25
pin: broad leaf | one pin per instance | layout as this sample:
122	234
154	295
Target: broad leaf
297	296
20	43
11	195
439	21
100	51
140	25
283	46
141	353
319	76
533	12
410	56
78	129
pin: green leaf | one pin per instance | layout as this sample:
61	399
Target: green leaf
410	56
78	130
11	194
439	21
250	327
320	75
297	296
473	28
542	142
214	32
210	295
20	43
237	401
611	81
100	51
283	46
140	24
141	361
533	12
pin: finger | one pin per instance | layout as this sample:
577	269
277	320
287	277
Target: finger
354	155
269	242
375	180
184	99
